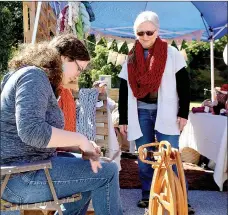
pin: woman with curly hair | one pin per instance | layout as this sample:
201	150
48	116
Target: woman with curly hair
32	130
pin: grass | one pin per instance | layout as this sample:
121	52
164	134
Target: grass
195	104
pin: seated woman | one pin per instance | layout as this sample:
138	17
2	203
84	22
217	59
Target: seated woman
32	129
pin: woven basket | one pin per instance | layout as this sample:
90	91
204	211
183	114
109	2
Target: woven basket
190	155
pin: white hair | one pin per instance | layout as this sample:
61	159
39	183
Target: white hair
146	16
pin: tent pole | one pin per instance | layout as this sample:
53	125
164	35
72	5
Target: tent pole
221	29
36	22
212	66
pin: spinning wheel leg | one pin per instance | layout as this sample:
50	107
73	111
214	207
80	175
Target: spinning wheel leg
162	195
168	195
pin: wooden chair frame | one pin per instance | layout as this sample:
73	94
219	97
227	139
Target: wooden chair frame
7	171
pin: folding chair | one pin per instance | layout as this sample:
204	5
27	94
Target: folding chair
7	171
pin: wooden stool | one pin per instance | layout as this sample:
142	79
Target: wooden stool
168	193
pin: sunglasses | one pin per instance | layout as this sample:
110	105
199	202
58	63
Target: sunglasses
148	33
79	68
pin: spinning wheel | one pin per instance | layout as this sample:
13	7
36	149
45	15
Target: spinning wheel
168	190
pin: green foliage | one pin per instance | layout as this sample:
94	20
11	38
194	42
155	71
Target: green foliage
91	44
99	64
220	44
183	45
85	80
11	31
219	62
101	57
201	53
199	66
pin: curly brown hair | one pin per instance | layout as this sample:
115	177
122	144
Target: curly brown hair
43	56
47	56
69	46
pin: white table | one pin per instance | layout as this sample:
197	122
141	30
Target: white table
207	134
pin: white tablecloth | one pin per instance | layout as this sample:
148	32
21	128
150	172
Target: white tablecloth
207	134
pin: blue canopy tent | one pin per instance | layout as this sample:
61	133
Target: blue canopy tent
215	14
177	20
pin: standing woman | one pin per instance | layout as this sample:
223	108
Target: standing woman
32	129
154	93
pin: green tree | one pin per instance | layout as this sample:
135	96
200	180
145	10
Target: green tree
85	80
99	65
11	31
219	61
199	66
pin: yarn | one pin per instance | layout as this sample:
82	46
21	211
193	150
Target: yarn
85	18
68	107
86	113
89	10
79	28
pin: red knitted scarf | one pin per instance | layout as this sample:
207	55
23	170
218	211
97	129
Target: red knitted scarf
145	74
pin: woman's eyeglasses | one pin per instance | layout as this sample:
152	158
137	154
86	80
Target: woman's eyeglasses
79	68
148	33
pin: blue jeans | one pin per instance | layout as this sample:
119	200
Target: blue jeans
147	120
70	174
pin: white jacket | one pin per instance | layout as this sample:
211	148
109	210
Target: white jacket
166	121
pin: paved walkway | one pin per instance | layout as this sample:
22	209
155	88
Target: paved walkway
204	202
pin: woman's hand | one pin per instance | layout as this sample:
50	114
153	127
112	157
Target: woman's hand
123	130
97	148
91	151
86	145
182	122
95	165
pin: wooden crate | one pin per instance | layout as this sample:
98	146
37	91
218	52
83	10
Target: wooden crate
114	94
29	9
102	125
